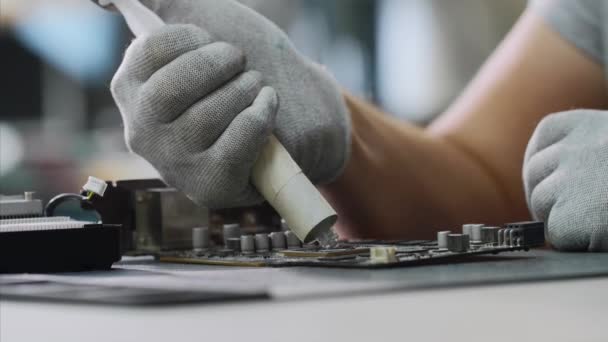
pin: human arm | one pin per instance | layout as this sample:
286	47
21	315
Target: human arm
404	181
400	180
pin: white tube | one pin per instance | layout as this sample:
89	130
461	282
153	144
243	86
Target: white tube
283	184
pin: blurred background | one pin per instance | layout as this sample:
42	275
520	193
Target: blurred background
58	123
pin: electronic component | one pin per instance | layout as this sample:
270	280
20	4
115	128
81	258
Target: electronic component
262	243
231	231
20	206
55	244
476	232
490	235
247	244
383	255
278	241
523	233
200	238
466	229
458	243
155	217
233	244
442	239
40	223
250	236
95	186
367	254
164	219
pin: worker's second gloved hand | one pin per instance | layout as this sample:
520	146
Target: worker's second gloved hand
311	122
566	179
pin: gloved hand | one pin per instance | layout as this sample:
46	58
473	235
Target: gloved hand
192	105
566	179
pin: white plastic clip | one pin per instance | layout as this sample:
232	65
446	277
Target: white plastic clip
383	255
96	186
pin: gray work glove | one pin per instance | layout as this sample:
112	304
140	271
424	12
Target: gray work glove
566	179
193	104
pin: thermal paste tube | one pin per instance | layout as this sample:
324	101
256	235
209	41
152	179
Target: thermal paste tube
283	184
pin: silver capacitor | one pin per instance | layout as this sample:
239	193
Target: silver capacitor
466	229
200	238
489	235
247	244
292	240
506	237
262	243
500	237
278	241
476	232
458	243
234	244
231	231
442	239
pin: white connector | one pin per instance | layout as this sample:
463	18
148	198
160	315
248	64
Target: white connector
383	255
96	186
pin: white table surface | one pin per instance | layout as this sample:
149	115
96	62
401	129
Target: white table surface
573	310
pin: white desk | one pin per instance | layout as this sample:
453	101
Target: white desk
575	310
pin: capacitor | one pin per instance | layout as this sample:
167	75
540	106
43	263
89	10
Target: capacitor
28	196
200	238
234	244
442	239
501	241
231	231
292	240
278	241
476	232
489	235
466	229
458	243
247	244
262	243
506	237
513	237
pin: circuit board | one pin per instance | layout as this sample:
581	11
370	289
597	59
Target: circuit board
475	240
141	218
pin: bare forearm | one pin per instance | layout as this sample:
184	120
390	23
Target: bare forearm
402	182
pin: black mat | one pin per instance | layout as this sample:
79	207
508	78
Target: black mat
202	284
